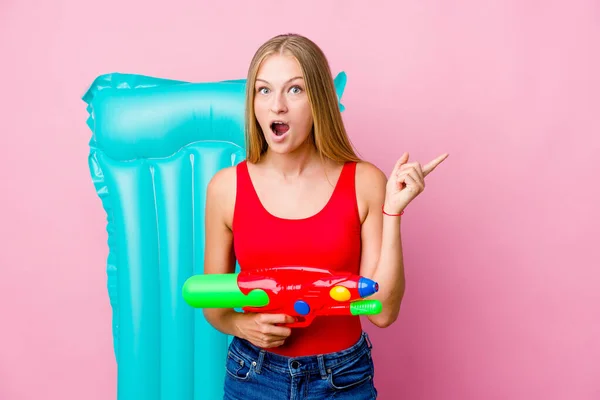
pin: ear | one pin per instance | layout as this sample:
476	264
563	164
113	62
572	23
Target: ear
340	84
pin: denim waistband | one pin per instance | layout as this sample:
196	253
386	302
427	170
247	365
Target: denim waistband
261	358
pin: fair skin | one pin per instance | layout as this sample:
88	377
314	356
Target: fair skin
292	182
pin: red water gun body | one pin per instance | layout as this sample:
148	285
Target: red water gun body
306	292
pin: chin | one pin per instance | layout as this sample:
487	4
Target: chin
281	149
287	148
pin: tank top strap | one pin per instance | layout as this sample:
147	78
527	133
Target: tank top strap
346	181
348	174
344	194
242	176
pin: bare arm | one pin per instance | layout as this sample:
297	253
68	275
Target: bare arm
382	258
219	257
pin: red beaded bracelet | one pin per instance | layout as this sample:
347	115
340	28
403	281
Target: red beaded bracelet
392	215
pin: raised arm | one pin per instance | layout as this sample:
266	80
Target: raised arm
382	257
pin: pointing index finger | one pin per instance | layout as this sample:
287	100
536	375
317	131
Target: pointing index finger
433	164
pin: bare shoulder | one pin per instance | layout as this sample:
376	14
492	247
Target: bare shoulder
370	187
366	173
220	194
223	179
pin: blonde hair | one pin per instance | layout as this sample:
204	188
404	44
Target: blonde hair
328	134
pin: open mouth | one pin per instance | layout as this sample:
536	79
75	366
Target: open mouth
279	128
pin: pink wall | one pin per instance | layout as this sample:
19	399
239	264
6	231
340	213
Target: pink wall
501	249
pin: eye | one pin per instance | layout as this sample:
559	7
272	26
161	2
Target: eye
263	90
295	89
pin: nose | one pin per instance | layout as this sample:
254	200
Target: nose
367	287
278	105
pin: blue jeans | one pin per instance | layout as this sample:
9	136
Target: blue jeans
253	373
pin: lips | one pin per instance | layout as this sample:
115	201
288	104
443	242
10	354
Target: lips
279	127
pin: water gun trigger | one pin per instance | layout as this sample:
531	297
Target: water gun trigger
301	322
303	315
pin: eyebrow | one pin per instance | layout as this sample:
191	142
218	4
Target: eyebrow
288	81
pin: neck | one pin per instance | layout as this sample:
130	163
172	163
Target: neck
292	164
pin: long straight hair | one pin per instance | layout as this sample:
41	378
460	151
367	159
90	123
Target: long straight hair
328	134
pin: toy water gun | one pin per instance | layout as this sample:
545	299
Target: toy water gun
301	292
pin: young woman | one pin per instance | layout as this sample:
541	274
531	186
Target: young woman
303	197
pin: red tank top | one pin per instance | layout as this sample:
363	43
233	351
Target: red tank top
329	239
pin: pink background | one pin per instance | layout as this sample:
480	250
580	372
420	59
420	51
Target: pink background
501	250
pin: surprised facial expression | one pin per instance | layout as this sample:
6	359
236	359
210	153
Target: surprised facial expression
281	104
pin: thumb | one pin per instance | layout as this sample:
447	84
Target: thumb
401	161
